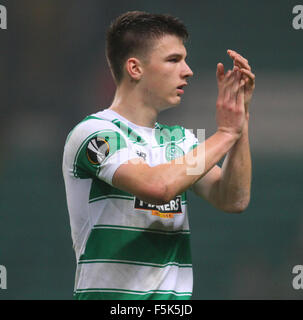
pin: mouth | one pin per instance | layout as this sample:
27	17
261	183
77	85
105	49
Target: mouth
180	89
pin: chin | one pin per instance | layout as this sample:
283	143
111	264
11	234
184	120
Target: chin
176	101
173	102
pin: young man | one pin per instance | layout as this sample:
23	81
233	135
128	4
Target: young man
126	175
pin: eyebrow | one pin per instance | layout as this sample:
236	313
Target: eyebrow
176	55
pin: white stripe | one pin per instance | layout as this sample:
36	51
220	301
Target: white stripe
93	142
133	277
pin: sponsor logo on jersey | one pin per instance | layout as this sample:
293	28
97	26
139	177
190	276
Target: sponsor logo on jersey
167	210
141	154
172	151
97	150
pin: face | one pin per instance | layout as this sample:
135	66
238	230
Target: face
165	73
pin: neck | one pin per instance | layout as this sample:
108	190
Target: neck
130	104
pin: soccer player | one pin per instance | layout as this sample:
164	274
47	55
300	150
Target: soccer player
126	175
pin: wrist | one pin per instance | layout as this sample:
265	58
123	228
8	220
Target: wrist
231	136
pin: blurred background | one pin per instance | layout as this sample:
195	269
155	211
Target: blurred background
54	73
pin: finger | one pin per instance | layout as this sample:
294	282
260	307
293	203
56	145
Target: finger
249	74
241	63
229	78
224	82
222	79
235	88
233	54
220	71
240	96
228	86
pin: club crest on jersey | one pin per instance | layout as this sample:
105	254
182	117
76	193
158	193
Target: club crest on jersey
172	151
97	150
167	210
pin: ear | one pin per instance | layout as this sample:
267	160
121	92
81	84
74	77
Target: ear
134	68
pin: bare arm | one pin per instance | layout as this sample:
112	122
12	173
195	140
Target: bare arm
228	188
161	183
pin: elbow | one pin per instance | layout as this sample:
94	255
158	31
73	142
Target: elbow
158	193
162	194
237	207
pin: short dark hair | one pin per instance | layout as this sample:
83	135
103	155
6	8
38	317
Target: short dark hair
132	32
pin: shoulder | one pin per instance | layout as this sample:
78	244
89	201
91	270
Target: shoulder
90	136
91	126
93	141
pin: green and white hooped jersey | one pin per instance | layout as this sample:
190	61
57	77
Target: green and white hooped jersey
125	248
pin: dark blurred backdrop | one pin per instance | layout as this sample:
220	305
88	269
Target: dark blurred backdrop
54	73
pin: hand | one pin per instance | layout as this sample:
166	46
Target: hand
230	102
247	75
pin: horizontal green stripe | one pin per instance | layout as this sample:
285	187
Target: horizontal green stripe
122	197
111	196
120	294
111	226
138	263
137	246
100	190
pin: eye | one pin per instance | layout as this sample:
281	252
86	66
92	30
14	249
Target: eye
173	60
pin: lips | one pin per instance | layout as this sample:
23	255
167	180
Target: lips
180	89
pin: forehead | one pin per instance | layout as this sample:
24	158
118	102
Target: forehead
167	45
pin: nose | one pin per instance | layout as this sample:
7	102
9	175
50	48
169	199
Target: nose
187	72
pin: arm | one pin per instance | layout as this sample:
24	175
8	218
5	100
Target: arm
228	188
163	182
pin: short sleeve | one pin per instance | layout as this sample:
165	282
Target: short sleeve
101	153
